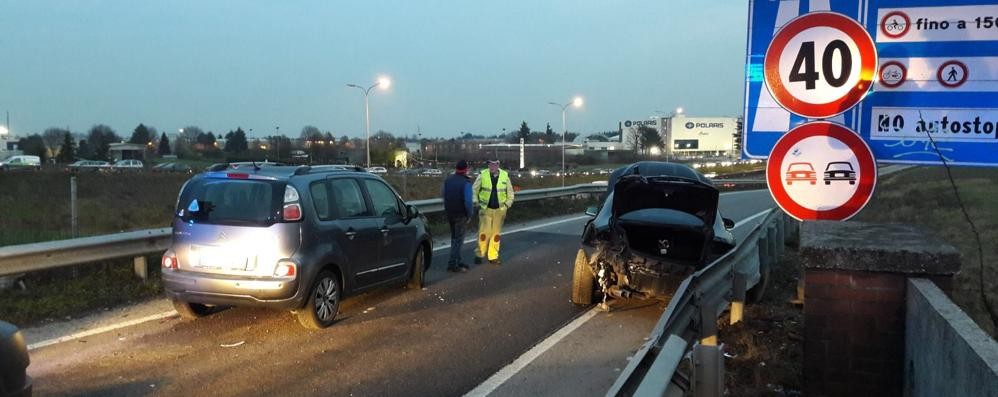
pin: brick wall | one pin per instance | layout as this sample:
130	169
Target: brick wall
854	333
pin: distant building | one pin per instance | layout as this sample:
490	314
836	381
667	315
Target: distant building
682	136
127	151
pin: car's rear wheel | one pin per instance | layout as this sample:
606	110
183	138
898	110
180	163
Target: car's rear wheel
583	282
191	311
417	274
323	302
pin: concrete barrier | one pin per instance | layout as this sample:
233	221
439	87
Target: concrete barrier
946	353
855	278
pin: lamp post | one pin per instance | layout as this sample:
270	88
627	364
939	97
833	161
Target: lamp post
384	83
576	102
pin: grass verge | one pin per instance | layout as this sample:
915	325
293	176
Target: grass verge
768	345
923	196
62	294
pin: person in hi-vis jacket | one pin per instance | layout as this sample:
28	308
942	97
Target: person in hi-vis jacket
493	193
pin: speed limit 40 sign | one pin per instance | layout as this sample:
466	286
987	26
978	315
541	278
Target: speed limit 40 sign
820	64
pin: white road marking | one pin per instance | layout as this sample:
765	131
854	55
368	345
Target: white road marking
751	218
99	330
493	382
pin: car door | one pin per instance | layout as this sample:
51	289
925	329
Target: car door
398	236
350	223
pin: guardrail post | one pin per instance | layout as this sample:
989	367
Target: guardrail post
781	237
737	298
708	324
792	235
708	371
774	251
764	253
141	268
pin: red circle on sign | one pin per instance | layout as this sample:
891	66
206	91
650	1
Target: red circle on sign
954	63
868	64
864	156
884	82
886	27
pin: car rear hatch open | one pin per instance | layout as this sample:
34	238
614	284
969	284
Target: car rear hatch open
666	217
233	225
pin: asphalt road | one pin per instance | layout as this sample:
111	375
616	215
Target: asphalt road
440	341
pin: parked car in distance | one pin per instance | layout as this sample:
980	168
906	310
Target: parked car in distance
840	171
432	172
173	167
801	172
377	170
295	238
21	163
127	165
89	165
14	361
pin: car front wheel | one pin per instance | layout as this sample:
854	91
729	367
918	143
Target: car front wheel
417	275
323	302
583	282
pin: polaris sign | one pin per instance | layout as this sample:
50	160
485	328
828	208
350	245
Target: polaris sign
691	125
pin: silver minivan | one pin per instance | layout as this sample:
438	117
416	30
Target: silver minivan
295	238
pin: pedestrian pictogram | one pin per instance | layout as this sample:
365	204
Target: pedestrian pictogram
895	24
821	170
952	74
820	64
892	74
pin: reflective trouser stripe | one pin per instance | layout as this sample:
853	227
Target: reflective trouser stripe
489	228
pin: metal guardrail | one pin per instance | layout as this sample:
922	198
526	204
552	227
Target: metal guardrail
16	259
688	328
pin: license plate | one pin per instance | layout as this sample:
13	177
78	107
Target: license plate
213	258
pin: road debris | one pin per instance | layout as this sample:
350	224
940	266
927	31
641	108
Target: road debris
240	343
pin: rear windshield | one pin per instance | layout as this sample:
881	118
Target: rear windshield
231	202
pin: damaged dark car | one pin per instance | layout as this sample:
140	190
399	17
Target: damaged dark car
658	224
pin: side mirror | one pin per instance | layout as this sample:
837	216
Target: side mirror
728	223
411	212
591	211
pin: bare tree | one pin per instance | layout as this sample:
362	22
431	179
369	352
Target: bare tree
53	138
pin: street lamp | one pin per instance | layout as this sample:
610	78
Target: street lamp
576	102
384	83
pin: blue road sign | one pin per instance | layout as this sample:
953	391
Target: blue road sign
936	76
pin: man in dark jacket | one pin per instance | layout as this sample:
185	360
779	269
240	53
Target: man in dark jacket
458	206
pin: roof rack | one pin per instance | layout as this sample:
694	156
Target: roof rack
305	169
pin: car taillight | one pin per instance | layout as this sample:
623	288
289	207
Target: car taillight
292	208
285	268
292	212
170	261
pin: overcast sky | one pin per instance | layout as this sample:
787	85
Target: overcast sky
456	66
